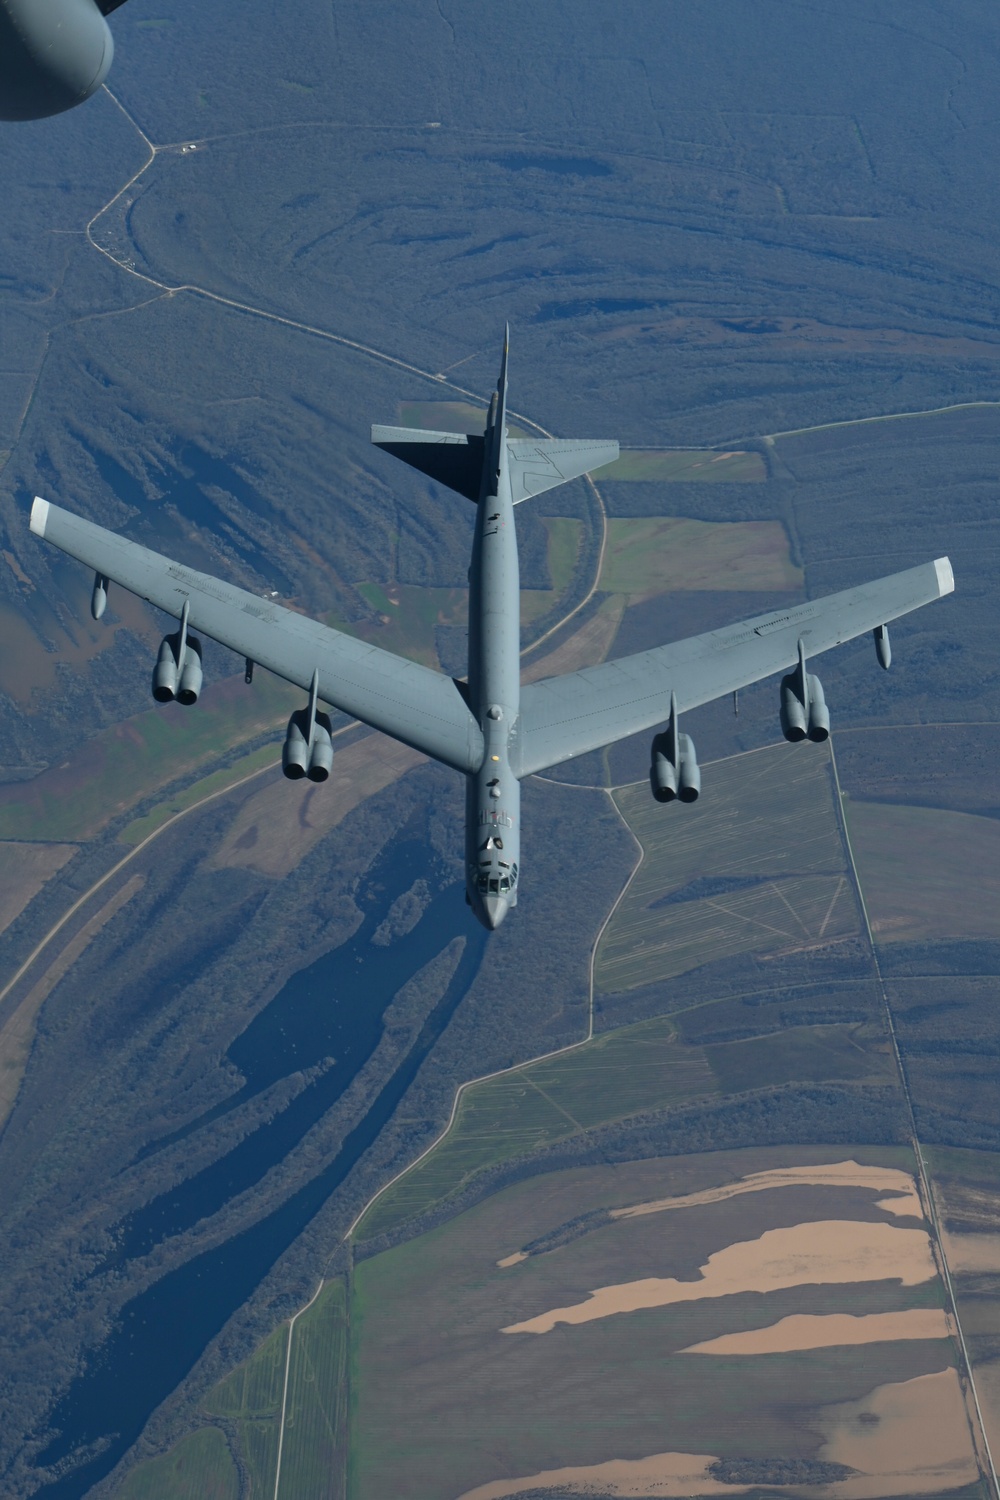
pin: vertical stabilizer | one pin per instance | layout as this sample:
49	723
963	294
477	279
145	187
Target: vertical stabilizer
498	412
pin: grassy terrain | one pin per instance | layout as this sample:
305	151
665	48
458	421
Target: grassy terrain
622	1073
315	1448
127	763
649	555
250	1400
684	465
199	1467
757	865
218	781
927	873
428	1355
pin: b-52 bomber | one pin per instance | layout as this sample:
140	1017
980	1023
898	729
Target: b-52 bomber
489	727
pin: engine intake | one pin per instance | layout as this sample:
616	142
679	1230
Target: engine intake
804	713
308	747
178	671
674	772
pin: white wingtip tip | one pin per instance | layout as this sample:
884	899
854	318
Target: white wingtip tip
39	515
945	576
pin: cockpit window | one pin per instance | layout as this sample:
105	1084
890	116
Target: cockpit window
504	883
494	887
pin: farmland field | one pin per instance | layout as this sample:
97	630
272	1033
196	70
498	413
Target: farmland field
757	865
622	1073
927	873
651	554
430	1353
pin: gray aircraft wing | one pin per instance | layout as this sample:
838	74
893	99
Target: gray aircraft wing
569	715
412	703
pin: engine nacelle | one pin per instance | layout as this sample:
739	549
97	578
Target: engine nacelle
674	771
165	672
801	720
53	54
794	721
191	678
819	714
295	750
321	755
169	680
662	773
689	776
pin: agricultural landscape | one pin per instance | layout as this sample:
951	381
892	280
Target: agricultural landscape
709	1202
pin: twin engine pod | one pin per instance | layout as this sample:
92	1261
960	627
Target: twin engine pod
177	674
300	758
803	705
308	747
674	773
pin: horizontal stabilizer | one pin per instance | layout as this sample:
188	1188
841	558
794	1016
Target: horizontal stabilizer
452	458
537	464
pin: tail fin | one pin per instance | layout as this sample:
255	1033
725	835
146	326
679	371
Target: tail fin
539	464
497	432
452	458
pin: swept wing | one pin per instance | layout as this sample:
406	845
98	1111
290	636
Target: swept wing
569	715
412	703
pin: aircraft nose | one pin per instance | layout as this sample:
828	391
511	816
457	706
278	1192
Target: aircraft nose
496	908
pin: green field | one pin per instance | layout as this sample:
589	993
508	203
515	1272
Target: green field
758	863
684	465
250	1399
649	555
199	1467
123	765
927	874
218	781
613	1077
314	1456
429	1357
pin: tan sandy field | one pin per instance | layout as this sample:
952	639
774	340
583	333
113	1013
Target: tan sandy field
826	1251
910	1438
662	1474
834	1174
917	1444
827	1330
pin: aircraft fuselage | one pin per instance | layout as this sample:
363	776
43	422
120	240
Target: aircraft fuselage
493	794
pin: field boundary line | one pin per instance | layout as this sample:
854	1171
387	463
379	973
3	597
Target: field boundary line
284	1390
925	1181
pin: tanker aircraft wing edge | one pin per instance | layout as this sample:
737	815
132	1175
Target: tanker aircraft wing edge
488	727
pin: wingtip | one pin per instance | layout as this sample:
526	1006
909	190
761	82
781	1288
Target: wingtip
945	575
39	515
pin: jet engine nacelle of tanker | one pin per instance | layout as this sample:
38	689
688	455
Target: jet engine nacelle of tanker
674	772
53	55
810	719
173	679
305	754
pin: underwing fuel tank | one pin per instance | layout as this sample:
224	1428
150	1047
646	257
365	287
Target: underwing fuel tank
53	55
